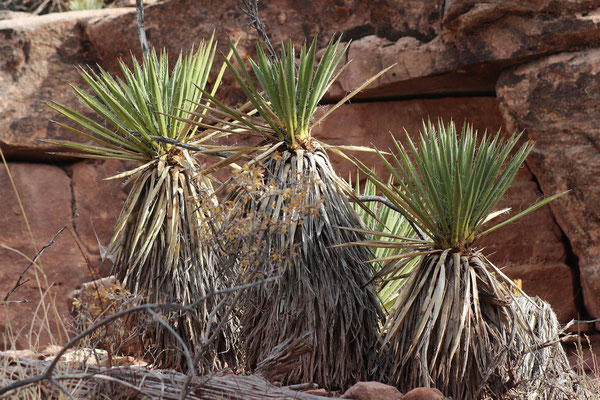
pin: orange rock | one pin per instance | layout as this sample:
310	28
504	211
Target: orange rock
372	391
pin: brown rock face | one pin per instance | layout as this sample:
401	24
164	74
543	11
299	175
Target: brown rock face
372	391
556	100
468	48
51	196
38	59
392	19
449	47
98	203
46	195
374	123
477	40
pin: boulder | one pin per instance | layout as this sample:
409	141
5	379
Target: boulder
458	47
38	60
372	391
556	101
424	393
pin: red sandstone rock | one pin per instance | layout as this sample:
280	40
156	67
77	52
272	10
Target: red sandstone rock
478	40
98	202
372	391
392	19
555	100
38	60
461	48
374	123
423	393
46	195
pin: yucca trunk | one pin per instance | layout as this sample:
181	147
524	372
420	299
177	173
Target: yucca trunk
162	257
457	326
449	321
323	290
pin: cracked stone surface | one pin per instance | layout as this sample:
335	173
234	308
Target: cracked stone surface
98	202
441	48
38	58
556	100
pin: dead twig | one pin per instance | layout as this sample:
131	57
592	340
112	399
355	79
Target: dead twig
250	8
391	205
139	5
20	281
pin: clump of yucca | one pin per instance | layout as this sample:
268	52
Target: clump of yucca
456	324
323	291
159	254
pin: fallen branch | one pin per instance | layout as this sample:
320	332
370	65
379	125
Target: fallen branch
163	384
150	308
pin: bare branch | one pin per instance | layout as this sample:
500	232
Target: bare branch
391	205
20	281
250	8
139	5
150	308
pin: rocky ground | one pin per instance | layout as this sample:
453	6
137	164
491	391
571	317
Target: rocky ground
527	66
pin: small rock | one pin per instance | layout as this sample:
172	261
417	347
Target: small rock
317	392
95	357
281	17
51	350
372	391
424	393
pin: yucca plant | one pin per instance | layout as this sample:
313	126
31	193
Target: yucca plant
455	322
388	224
323	290
156	239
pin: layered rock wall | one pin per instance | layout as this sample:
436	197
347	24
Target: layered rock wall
512	65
